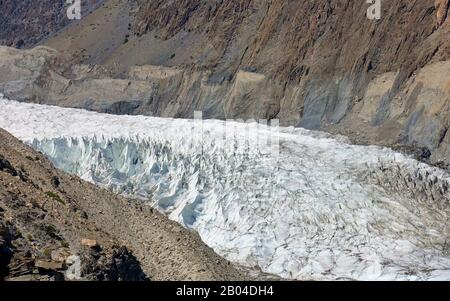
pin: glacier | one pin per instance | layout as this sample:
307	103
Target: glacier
320	209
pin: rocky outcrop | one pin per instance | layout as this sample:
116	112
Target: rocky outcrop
294	40
120	266
442	7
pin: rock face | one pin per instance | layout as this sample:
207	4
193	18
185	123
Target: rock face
315	64
24	23
442	7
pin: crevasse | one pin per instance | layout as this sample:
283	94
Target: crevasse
322	209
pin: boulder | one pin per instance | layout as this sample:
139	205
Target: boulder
49	264
91	243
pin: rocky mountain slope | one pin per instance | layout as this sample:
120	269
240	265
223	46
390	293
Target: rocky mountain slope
54	226
316	64
26	22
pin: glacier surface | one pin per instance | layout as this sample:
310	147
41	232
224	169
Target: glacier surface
321	209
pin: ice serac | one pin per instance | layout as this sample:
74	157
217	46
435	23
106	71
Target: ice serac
321	209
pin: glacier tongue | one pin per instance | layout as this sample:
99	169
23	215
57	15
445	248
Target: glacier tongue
322	209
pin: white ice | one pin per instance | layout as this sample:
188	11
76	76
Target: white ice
322	209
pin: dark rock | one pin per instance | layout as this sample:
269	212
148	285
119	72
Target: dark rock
7	235
127	266
84	215
22	176
6	166
122	107
121	266
55	182
19	44
51	231
425	154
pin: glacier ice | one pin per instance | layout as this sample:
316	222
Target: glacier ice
322	209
